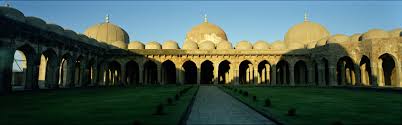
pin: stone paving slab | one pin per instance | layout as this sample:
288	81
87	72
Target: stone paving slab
213	106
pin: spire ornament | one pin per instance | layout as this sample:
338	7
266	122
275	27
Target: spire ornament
107	18
205	18
305	16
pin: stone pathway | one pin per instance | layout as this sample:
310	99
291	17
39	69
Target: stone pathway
213	106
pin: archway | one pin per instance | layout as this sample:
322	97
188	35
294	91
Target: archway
300	73
387	70
345	71
47	77
132	73
91	74
365	71
282	72
113	73
246	72
150	73
64	71
190	72
168	72
207	72
20	66
264	71
223	72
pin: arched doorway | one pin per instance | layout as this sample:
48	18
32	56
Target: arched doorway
246	72
300	72
388	73
190	72
345	71
64	71
22	70
132	73
365	70
47	77
282	72
264	71
91	74
223	72
207	72
113	74
150	73
168	72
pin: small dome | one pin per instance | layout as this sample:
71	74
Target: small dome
12	13
305	32
153	45
375	34
207	45
136	45
396	32
206	32
338	38
107	32
36	22
55	28
260	44
119	44
355	37
71	34
83	38
296	46
321	42
244	45
170	44
311	45
278	45
190	45
224	45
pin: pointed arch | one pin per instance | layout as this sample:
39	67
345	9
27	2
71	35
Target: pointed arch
207	72
388	73
264	71
300	72
168	72
190	72
246	72
223	72
365	71
132	73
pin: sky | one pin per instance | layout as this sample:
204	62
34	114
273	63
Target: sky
241	20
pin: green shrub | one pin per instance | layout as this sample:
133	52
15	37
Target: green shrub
177	97
160	110
245	93
292	112
267	102
170	101
254	98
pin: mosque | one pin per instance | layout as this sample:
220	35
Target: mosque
309	55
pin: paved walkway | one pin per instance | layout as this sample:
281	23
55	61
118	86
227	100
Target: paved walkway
213	106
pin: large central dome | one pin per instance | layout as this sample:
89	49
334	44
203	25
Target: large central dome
305	32
108	33
206	32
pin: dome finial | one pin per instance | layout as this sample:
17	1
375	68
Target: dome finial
6	3
107	18
205	18
305	16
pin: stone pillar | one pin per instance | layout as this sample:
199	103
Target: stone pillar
236	77
380	76
216	73
159	73
6	64
267	73
291	75
321	74
273	75
374	73
123	74
141	75
247	75
342	74
311	75
263	77
255	78
357	74
198	76
178	76
332	75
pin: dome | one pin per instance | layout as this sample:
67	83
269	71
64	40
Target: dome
355	37
170	44
375	34
206	32
321	42
396	32
36	22
71	34
224	45
244	45
190	45
119	44
338	38
136	45
296	46
277	45
305	32
207	45
12	13
107	32
55	28
261	45
311	45
153	45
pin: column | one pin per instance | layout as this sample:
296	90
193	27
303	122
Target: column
248	75
216	73
256	78
273	75
311	75
380	76
236	77
6	64
374	73
332	75
198	76
159	73
321	74
123	74
342	74
178	76
291	75
267	73
263	77
141	75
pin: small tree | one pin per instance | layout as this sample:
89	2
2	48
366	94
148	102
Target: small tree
245	93
267	102
177	97
254	98
170	101
160	109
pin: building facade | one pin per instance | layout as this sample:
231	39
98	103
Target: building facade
54	57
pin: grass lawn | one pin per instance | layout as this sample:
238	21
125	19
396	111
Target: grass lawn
94	106
324	106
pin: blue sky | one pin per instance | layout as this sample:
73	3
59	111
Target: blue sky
241	20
